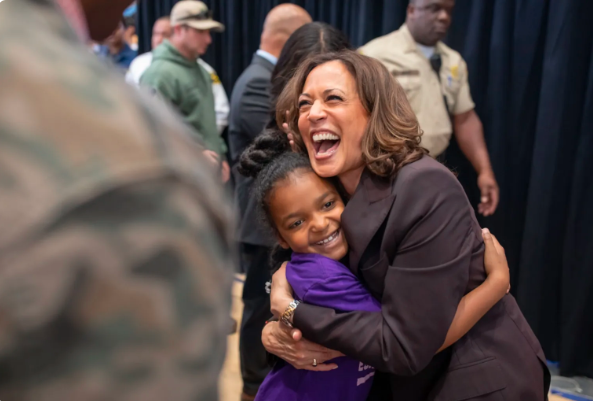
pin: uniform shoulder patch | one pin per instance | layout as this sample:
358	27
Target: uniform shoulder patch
455	71
214	78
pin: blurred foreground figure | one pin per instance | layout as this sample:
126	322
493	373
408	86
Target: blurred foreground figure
115	264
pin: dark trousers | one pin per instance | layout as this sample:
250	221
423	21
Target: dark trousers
256	310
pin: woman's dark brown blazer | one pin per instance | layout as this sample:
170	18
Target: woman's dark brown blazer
415	242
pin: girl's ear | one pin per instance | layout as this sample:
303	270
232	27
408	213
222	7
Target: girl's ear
281	242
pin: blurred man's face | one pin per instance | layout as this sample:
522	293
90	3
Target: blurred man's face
429	20
160	32
116	39
196	40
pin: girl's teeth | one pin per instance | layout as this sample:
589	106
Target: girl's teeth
328	239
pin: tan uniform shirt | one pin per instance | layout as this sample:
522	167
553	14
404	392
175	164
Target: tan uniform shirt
400	54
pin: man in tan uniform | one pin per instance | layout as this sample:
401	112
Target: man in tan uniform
434	77
115	242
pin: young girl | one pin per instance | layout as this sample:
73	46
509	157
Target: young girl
304	211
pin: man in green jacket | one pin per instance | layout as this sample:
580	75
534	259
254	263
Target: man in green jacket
175	75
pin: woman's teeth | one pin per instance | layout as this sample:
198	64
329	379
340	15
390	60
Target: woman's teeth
325	144
328	239
326	136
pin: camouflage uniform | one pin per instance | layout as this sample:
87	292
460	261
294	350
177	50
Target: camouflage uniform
115	262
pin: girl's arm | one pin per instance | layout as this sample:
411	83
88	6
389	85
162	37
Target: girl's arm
477	303
469	311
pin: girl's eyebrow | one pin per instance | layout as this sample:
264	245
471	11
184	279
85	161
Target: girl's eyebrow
319	199
291	216
322	197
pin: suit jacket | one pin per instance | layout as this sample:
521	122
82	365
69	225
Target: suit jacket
417	245
250	111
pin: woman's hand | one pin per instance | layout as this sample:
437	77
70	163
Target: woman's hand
289	344
495	262
281	292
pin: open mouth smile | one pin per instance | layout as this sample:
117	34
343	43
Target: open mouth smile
325	143
330	239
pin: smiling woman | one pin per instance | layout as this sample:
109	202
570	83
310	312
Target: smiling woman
337	105
330	110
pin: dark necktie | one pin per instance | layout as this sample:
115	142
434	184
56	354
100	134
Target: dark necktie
436	63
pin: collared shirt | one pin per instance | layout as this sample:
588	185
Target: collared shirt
75	16
406	61
428	51
271	58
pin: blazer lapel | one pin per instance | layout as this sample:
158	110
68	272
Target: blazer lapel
364	214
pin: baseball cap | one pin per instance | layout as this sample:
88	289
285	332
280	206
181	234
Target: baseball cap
194	14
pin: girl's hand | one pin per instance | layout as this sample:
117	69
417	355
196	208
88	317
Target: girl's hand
289	344
214	160
289	133
495	262
212	157
226	172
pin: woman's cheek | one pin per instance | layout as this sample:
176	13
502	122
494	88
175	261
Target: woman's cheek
303	125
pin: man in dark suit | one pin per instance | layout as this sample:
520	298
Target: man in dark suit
250	111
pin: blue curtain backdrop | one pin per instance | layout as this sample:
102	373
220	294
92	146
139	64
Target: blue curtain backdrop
531	76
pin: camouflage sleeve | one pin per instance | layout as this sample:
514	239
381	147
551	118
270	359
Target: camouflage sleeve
124	297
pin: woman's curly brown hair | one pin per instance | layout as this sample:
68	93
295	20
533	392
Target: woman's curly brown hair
392	136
